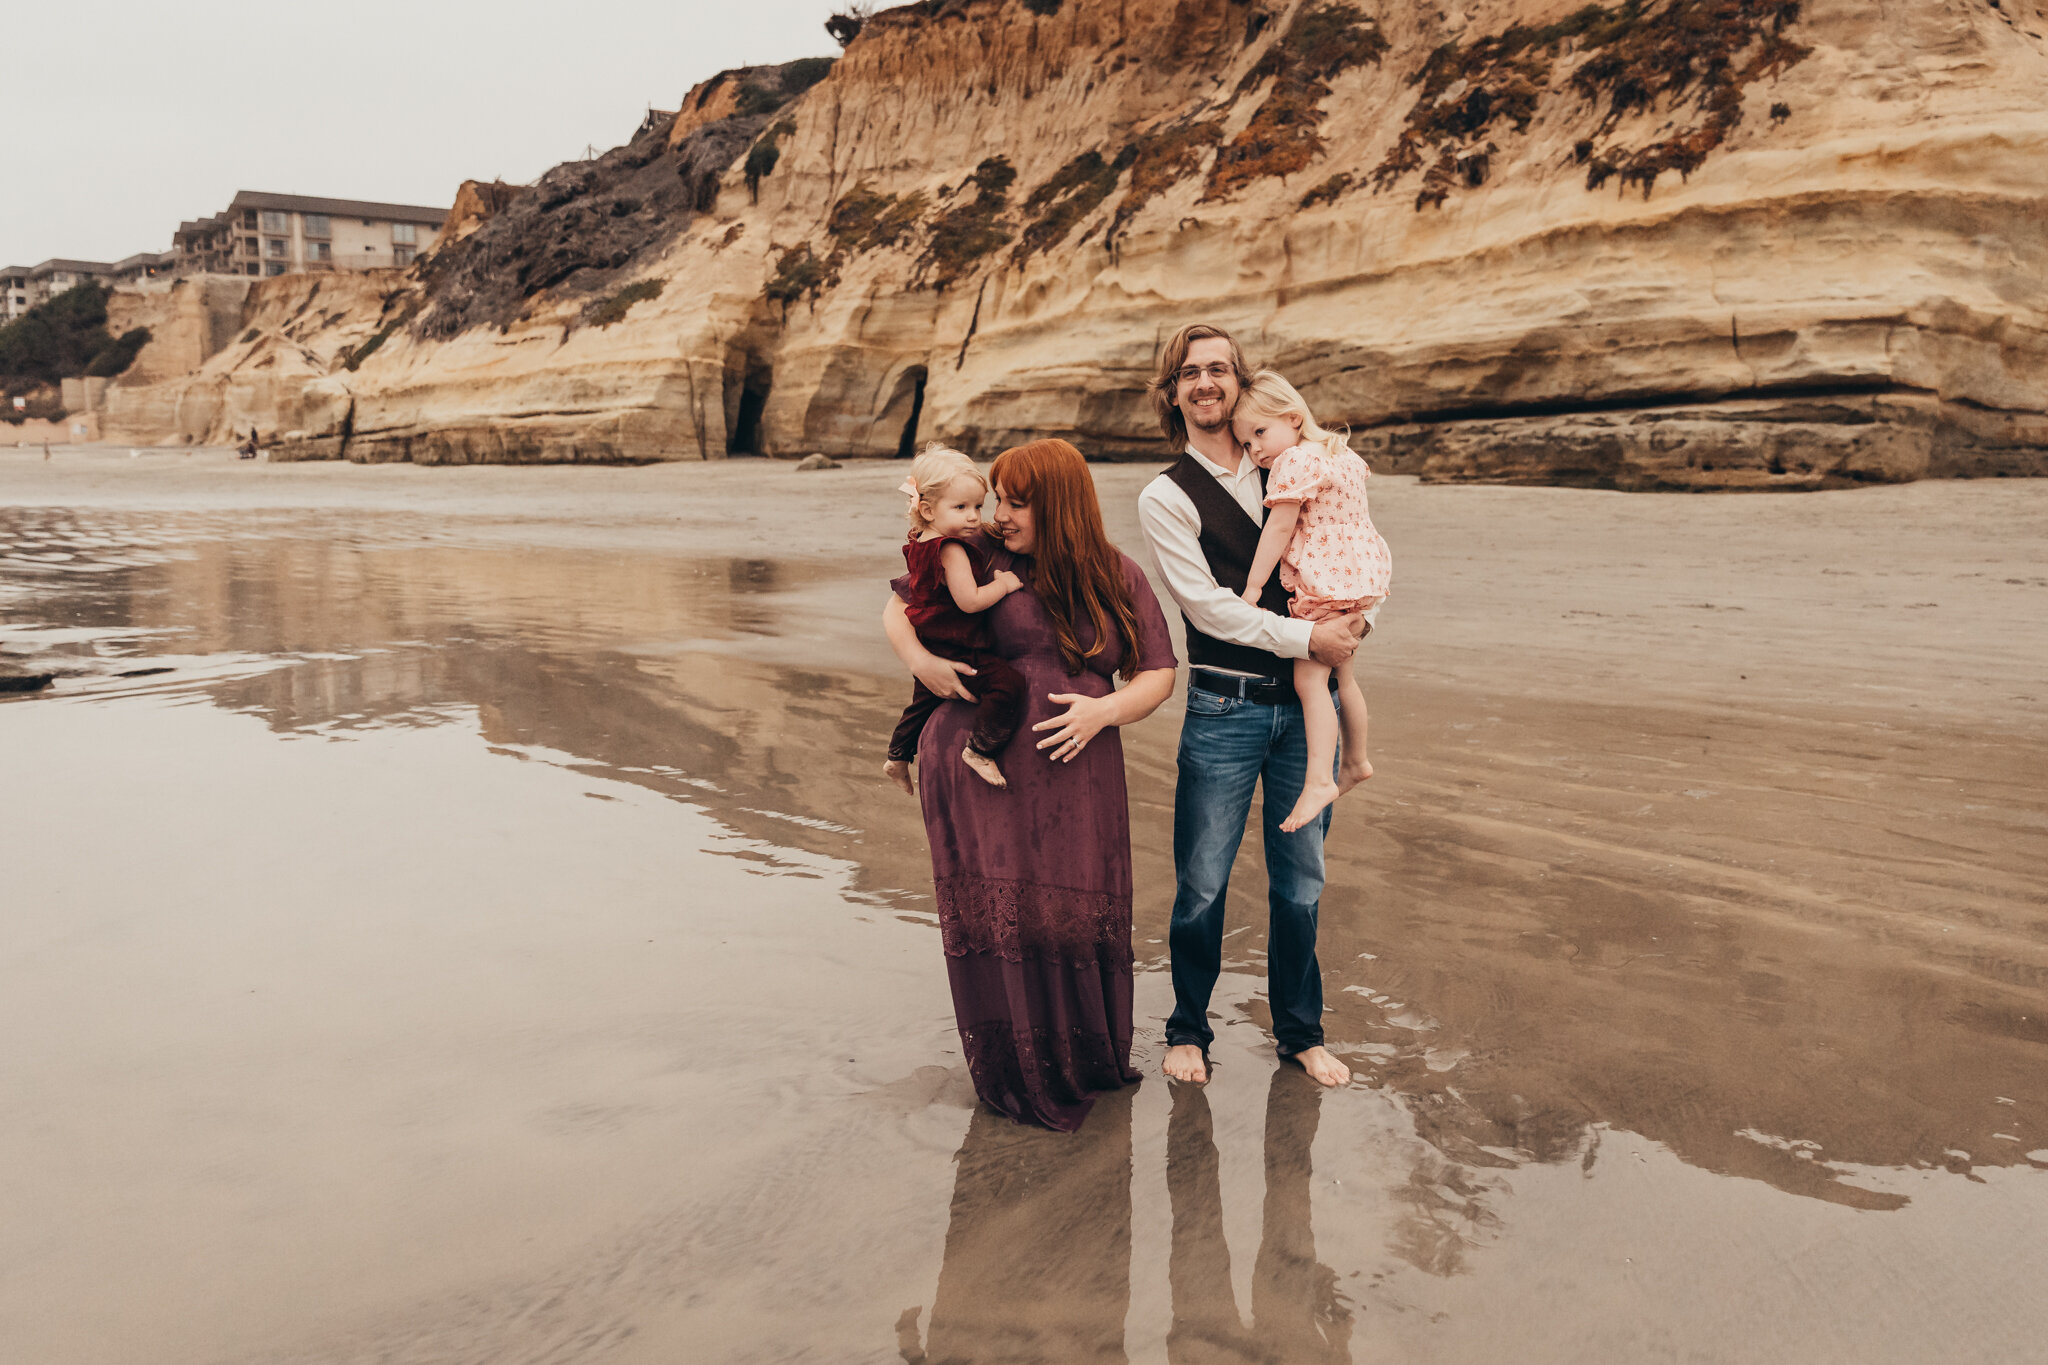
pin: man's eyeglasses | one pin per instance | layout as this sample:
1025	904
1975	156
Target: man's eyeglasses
1216	373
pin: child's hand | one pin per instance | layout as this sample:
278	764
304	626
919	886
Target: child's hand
1251	595
1007	581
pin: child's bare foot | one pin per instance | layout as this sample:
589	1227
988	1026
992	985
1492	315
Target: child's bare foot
897	770
1313	798
1325	1068
1185	1062
1351	772
985	767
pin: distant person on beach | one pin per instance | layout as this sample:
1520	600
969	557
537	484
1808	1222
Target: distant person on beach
1320	535
949	588
1033	882
1244	726
248	448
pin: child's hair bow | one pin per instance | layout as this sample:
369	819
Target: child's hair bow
908	488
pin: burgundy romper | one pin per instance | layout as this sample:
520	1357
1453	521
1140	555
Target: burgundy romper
963	637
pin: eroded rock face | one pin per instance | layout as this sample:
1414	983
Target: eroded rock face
274	358
1749	445
1685	243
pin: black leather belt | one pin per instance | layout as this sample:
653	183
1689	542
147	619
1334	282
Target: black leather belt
1265	691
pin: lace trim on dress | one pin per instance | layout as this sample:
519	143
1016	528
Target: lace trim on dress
1015	920
1032	1074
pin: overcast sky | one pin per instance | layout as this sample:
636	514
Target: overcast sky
121	119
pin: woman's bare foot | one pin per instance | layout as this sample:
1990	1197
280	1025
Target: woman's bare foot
1313	798
1185	1062
897	770
1325	1068
1351	772
985	767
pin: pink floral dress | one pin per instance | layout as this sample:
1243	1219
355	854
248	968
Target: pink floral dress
1336	563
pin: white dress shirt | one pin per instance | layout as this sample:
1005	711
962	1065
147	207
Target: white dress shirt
1173	528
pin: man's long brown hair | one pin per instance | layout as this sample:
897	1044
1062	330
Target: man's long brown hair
1077	573
1164	384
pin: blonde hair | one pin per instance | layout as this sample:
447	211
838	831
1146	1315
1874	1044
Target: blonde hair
1269	395
934	468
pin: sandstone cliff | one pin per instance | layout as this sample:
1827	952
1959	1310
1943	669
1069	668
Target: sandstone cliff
234	354
1652	243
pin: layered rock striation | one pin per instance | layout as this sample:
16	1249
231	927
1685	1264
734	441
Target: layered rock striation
1640	244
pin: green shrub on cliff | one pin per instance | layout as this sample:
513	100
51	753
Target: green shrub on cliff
65	338
863	220
352	360
1076	190
963	236
761	159
755	98
615	308
805	72
118	354
797	273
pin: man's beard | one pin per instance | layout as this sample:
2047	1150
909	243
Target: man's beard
1222	423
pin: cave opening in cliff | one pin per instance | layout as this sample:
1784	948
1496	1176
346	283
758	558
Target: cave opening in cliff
909	388
743	432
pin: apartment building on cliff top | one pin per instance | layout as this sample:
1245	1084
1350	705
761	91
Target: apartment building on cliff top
258	234
13	291
22	287
285	234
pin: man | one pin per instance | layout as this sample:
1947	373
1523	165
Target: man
1243	727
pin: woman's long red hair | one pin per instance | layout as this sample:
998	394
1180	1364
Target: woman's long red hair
1077	573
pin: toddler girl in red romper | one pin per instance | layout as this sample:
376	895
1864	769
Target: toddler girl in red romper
950	589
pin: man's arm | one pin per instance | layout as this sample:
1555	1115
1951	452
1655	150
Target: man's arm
1281	519
1173	529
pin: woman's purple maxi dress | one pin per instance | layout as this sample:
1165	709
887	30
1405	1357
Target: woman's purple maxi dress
1034	883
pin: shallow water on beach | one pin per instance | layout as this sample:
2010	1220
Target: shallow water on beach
491	940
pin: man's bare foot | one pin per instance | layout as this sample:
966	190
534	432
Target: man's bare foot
1185	1062
1325	1068
985	767
897	770
1352	772
1313	798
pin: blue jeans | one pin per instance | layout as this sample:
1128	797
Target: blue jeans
1227	746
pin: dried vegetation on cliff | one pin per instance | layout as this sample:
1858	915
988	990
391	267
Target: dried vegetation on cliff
1691	58
585	224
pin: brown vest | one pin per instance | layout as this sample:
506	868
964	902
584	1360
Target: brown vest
1230	541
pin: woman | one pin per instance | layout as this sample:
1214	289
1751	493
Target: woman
1034	882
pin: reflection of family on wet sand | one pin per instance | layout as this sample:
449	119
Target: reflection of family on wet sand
1038	1247
1034	620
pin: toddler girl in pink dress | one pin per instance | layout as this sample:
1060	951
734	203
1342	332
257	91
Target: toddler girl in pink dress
1321	537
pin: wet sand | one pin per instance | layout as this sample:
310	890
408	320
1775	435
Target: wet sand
491	942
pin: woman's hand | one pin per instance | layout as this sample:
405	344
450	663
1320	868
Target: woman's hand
1084	718
941	676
